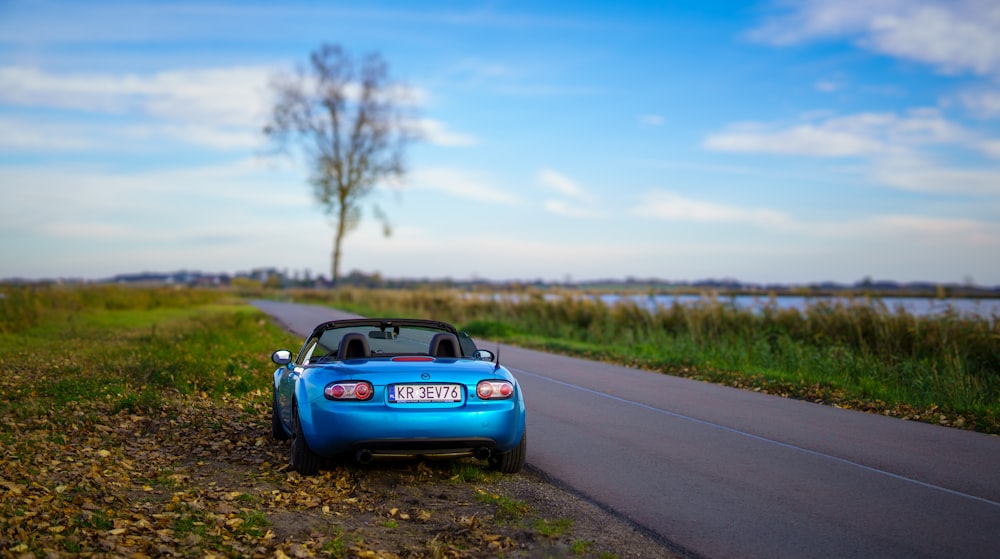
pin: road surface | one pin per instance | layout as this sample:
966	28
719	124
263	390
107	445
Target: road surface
722	472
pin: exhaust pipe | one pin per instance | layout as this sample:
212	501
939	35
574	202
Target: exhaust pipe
364	456
482	453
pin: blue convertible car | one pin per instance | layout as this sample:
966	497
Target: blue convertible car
384	388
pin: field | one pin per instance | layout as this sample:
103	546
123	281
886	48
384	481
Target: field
940	369
135	422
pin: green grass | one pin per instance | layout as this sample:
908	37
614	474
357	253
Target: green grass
472	472
163	346
336	547
253	524
553	528
23	307
508	509
96	520
78	347
854	354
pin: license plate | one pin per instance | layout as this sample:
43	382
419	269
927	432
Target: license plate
406	393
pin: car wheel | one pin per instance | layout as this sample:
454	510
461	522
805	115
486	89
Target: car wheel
277	429
510	462
302	459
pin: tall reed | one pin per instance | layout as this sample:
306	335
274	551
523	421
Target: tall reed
848	351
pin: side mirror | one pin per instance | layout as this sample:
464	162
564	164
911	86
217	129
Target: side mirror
282	357
484	355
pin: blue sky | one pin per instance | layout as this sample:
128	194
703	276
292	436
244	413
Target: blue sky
766	141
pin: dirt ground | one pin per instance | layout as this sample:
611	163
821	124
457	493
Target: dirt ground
419	509
202	478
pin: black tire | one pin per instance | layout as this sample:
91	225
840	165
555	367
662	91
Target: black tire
278	432
301	458
512	461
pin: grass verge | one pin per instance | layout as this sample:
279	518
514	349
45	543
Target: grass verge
135	424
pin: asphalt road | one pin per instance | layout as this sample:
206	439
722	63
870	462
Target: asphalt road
722	473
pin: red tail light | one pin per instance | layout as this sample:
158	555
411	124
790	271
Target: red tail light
349	391
363	391
494	389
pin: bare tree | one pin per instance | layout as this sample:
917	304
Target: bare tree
348	119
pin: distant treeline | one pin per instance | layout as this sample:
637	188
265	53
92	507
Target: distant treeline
284	279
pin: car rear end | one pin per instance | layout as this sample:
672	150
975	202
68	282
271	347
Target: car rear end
412	406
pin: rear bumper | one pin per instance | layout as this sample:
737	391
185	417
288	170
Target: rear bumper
338	427
366	451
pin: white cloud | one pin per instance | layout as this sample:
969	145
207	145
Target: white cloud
950	35
560	183
896	229
563	208
228	96
651	120
576	201
22	134
665	205
215	137
514	254
894	146
436	132
460	183
991	148
797	22
828	86
88	220
984	103
476	71
219	108
863	134
919	176
84	229
41	134
913	235
948	231
805	139
144	200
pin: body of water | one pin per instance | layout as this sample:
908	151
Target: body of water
920	306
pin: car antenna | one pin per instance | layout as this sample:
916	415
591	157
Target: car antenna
498	357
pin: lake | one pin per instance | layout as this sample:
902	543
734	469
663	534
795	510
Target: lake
920	306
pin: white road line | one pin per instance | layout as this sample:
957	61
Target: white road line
760	438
